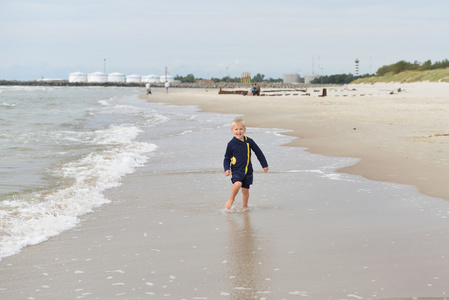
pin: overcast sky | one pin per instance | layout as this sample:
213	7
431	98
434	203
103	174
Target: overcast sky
52	38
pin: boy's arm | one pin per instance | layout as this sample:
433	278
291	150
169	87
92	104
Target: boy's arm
260	156
227	161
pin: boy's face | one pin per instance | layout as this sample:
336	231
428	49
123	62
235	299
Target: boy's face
239	131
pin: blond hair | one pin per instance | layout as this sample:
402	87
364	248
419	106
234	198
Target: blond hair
238	121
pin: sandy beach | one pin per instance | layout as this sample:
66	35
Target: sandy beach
401	137
355	206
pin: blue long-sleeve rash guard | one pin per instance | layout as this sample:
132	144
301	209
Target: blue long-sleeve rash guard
238	157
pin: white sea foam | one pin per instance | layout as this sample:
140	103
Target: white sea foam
104	102
185	132
155	119
6	104
26	88
151	117
116	134
45	214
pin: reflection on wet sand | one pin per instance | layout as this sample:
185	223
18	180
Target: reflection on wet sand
244	273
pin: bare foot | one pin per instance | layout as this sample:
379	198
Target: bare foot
245	208
229	204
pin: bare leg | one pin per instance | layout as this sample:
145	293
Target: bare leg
235	190
245	197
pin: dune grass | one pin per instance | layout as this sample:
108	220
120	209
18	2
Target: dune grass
438	75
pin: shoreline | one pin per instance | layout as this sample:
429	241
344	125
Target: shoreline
399	138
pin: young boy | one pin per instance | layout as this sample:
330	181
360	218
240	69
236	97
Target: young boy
237	161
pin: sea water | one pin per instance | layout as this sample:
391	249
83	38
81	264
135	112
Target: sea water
60	149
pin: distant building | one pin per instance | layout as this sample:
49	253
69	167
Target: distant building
116	77
77	77
100	77
291	78
134	78
310	78
150	78
169	78
97	77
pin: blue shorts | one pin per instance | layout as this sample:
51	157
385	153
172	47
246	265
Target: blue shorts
246	181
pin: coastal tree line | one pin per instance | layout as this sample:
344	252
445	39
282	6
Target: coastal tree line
402	66
395	68
338	79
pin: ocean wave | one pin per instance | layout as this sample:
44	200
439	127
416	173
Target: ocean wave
5	104
34	218
26	88
116	134
150	116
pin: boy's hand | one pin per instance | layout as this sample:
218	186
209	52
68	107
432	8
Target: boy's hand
228	172
265	169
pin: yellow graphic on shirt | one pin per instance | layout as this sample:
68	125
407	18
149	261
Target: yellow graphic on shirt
233	160
249	155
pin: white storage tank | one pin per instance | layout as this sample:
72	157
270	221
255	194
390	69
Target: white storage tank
154	78
150	78
116	77
97	77
169	78
291	78
134	78
309	78
77	77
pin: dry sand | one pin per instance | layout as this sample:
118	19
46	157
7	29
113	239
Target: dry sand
401	137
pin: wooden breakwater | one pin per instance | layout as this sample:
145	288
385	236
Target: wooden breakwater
276	92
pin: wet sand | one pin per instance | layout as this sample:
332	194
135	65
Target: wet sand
401	137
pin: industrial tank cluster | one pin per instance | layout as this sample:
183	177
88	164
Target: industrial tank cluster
296	79
117	77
